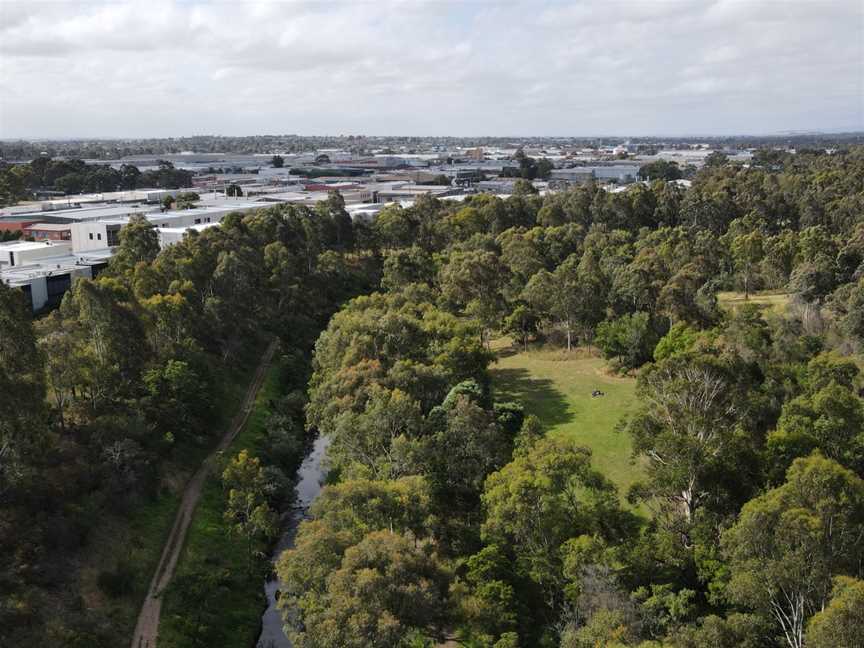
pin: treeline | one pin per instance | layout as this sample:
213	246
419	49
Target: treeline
118	149
108	149
451	516
71	176
529	168
109	402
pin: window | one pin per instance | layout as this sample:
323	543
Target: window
197	221
99	236
91	236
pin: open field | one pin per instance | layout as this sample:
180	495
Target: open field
776	301
556	387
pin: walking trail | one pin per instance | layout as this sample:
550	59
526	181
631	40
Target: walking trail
147	628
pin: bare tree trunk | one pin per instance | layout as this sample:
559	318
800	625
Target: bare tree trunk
60	411
790	617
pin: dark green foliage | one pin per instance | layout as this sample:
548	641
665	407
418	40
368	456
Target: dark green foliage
628	341
529	168
789	543
839	624
117	582
74	176
660	170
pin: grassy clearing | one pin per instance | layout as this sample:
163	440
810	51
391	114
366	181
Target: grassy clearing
230	613
775	301
556	387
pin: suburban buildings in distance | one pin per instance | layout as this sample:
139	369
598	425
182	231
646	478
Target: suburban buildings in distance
65	238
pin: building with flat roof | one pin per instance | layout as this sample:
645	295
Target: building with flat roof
14	224
49	231
93	235
620	173
18	253
409	191
77	214
45	280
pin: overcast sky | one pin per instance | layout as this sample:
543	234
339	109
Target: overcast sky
164	68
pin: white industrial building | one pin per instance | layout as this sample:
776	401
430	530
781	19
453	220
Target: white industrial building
94	235
18	253
63	206
45	270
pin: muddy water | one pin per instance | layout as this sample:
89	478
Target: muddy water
310	476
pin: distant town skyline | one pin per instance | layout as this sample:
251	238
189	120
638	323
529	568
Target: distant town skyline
583	69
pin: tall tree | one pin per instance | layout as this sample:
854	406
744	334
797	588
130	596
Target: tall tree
748	250
542	499
139	243
790	543
22	388
572	295
685	431
472	281
247	510
839	624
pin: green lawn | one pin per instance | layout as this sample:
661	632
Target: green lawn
556	387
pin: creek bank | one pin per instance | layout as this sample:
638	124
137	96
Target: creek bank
310	478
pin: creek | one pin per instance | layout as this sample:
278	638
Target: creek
310	477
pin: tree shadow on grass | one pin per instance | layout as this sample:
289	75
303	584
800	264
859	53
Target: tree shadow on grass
538	395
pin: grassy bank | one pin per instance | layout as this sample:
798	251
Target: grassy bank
213	601
125	548
556	387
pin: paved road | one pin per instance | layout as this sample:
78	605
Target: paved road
147	628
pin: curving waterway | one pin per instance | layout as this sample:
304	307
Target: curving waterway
310	477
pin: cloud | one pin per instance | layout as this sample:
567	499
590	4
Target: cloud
159	67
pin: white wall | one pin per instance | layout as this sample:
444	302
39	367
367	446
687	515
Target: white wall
39	286
82	232
24	253
36	254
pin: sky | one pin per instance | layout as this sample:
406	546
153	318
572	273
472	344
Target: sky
159	68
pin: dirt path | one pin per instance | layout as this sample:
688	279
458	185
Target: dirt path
147	628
